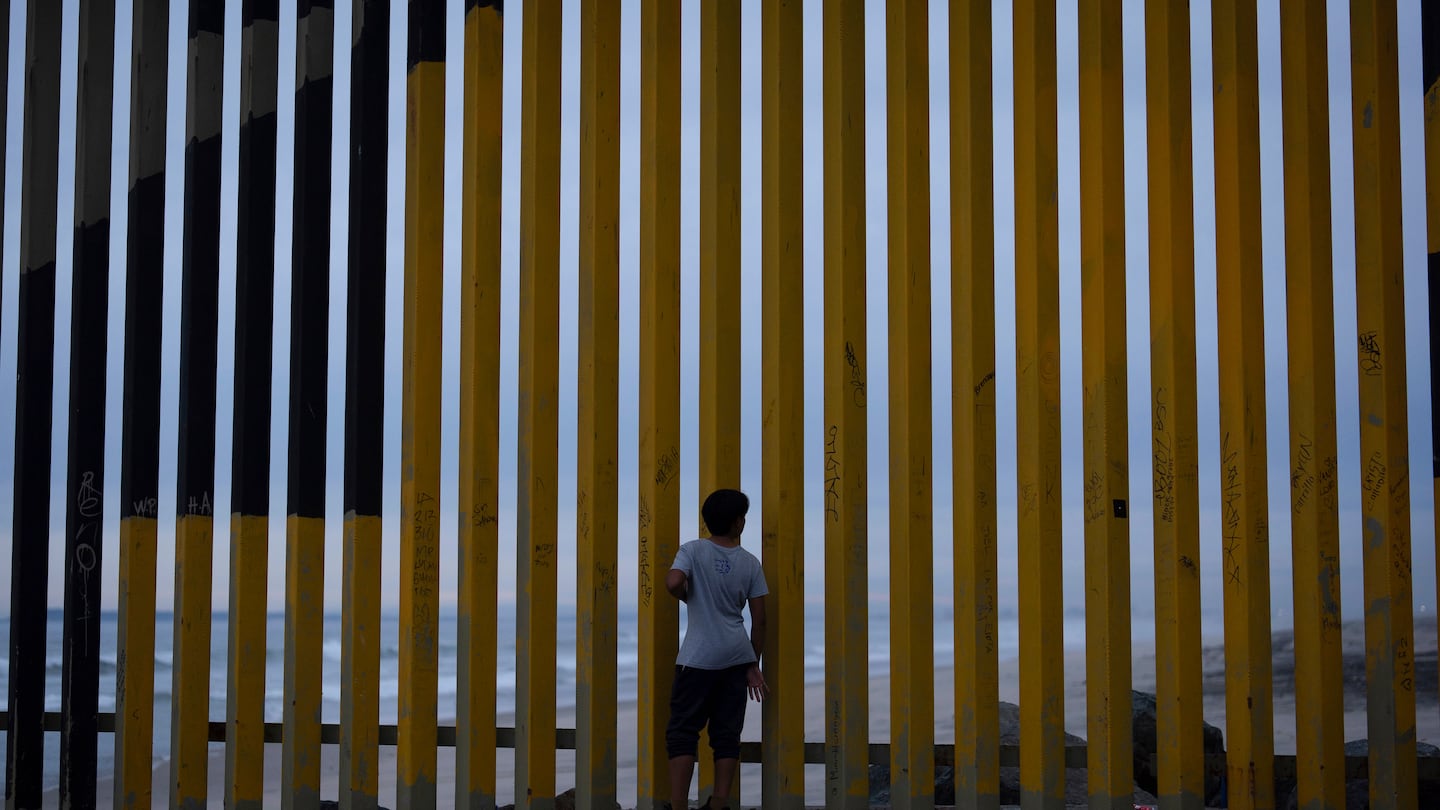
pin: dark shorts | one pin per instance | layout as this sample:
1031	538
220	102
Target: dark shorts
713	697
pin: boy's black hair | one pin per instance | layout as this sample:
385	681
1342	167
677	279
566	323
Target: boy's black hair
723	508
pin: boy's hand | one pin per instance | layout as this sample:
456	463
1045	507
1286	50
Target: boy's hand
755	683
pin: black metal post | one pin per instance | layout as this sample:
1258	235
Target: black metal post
35	355
89	331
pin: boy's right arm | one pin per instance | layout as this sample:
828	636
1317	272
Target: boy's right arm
678	584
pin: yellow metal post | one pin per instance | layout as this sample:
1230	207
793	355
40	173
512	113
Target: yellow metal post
140	441
1315	529
598	395
1174	445
1384	427
1037	396
847	674
720	379
195	446
659	454
912	646
1245	543
719	247
538	440
309	373
250	479
1105	373
782	394
420	406
972	400
479	406
359	782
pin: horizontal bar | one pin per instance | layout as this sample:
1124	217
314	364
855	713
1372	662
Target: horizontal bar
1356	767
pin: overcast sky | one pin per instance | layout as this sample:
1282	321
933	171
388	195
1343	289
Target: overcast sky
1271	191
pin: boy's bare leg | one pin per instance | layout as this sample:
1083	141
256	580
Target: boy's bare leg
724	778
681	769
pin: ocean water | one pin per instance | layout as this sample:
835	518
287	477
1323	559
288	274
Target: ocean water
627	659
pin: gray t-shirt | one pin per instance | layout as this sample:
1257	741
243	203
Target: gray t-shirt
721	580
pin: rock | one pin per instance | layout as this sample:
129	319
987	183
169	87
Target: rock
1077	787
566	801
1143	728
944	785
880	785
1361	748
1010	726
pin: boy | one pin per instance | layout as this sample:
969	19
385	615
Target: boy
717	665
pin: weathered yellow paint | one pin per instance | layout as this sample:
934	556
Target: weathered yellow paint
782	397
245	703
304	662
1174	444
1111	767
972	400
598	405
479	535
1310	316
846	509
360	664
1037	396
538	438
912	645
659	454
1384	428
719	247
420	435
1245	541
720	379
190	682
135	667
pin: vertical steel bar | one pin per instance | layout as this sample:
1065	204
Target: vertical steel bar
598	414
85	471
719	247
847	721
1245	545
250	464
420	406
364	405
195	473
309	380
538	439
1384	426
4	90
659	454
1310	311
1037	358
34	373
480	404
783	403
972	398
912	646
140	406
1430	44
1105	374
720	378
1174	445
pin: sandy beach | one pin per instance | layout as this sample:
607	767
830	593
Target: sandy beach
1428	722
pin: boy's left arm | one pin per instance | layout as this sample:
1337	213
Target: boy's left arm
755	680
757	625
